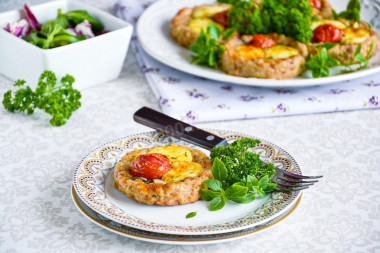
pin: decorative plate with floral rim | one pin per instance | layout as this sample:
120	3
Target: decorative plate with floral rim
174	239
154	36
94	184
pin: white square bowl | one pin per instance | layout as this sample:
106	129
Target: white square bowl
91	61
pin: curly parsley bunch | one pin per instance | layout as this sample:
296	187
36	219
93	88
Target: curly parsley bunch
57	100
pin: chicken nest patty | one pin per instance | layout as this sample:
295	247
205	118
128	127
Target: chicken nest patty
345	53
236	64
186	26
165	194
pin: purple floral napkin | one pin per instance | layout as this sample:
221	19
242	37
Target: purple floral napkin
195	99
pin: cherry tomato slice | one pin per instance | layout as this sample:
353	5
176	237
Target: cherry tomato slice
221	18
261	41
150	166
316	4
327	33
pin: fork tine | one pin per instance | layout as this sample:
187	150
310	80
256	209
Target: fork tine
284	188
294	180
289	174
285	183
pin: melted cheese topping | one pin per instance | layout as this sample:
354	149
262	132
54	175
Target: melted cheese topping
174	153
182	162
182	170
276	52
197	24
355	36
280	52
209	10
251	52
336	23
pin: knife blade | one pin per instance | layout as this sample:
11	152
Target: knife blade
178	129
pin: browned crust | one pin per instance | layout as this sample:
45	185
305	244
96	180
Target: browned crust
345	53
237	65
325	12
170	194
179	29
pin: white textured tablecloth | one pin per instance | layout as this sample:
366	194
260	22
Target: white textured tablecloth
339	214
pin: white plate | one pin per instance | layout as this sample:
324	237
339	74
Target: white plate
174	239
154	37
93	181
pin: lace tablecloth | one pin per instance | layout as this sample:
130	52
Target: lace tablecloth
339	214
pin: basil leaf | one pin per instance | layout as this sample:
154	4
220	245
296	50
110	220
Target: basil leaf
251	181
246	199
213	184
208	195
214	31
191	215
219	170
358	49
261	193
327	45
263	182
236	190
218	203
228	33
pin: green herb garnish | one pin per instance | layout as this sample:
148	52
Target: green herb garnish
57	100
352	11
289	17
191	215
240	162
239	175
320	64
207	48
54	34
363	61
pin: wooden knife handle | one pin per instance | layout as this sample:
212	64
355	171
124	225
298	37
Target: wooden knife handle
177	128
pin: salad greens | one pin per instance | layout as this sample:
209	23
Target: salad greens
239	175
67	28
57	100
207	48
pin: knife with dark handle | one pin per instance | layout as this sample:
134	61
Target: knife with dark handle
178	129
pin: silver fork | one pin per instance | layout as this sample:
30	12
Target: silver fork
286	181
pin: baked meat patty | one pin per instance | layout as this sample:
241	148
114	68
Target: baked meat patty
186	26
282	59
353	33
179	183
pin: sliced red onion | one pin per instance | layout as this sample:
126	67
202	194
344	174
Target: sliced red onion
19	29
71	31
84	28
102	32
7	27
31	18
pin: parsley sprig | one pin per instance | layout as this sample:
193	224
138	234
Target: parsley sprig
207	48
57	100
239	175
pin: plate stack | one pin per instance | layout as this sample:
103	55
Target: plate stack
96	198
